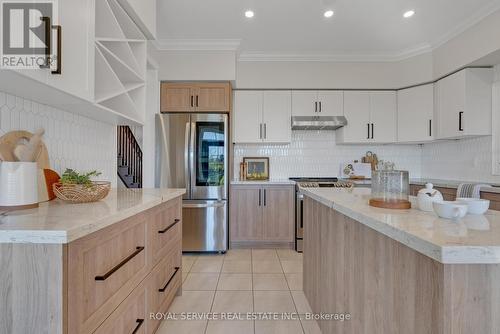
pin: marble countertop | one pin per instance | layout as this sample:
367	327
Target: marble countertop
471	240
270	182
453	184
56	222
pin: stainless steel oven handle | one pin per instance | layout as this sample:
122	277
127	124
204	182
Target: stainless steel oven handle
204	205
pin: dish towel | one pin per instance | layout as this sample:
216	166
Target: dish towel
470	190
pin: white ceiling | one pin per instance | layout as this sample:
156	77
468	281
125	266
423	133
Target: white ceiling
297	27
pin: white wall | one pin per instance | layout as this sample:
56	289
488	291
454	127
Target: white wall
496	123
473	44
196	66
341	75
152	108
315	153
73	141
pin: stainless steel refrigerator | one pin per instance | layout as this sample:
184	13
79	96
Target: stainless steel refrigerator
192	153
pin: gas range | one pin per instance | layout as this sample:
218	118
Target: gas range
320	182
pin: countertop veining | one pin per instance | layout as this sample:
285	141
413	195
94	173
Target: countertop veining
473	239
56	222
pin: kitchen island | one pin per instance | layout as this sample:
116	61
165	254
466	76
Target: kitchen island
91	268
396	271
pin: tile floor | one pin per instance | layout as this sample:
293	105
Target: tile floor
242	280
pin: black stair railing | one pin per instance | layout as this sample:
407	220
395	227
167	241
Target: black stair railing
129	158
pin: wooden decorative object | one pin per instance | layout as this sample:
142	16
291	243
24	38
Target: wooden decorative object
78	193
394	204
11	139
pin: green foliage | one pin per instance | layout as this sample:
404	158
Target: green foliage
71	176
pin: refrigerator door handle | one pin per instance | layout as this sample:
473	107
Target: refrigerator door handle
192	162
204	205
186	160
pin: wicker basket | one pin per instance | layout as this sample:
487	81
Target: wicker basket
78	193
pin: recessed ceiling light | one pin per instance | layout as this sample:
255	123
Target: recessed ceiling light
328	13
408	14
249	13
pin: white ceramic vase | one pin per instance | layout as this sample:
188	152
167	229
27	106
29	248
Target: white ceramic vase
18	184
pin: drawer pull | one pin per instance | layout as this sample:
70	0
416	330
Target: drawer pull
170	280
169	227
121	264
139	324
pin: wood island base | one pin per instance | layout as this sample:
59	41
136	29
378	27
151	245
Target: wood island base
386	286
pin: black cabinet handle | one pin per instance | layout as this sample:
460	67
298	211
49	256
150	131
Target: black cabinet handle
372	130
139	324
460	116
169	280
59	50
430	128
320	106
368	127
48	42
260	198
192	99
315	106
197	101
119	265
265	193
169	227
265	130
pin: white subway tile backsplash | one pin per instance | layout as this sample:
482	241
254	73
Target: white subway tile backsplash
462	160
315	153
73	141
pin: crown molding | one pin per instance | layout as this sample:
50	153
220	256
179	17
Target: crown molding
349	57
197	44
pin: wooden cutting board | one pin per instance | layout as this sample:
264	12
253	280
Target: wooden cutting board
11	139
46	178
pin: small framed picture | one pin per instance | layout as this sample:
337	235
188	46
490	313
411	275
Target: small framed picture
257	169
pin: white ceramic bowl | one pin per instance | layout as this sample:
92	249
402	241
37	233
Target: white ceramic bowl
475	206
450	210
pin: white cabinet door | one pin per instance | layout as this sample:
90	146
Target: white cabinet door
277	116
305	103
77	71
415	114
357	112
331	103
383	108
451	105
247	117
464	104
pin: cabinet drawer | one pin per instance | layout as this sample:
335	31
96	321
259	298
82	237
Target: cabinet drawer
166	229
163	284
102	270
129	317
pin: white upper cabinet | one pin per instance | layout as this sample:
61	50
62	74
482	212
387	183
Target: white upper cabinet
357	112
77	50
247	117
464	104
331	103
262	117
304	103
383	110
317	103
371	117
277	114
416	114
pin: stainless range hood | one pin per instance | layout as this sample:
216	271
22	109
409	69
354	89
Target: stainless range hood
318	122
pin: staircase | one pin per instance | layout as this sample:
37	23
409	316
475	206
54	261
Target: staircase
129	158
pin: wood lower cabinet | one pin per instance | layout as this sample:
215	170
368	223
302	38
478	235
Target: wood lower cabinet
262	215
450	194
115	274
196	97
